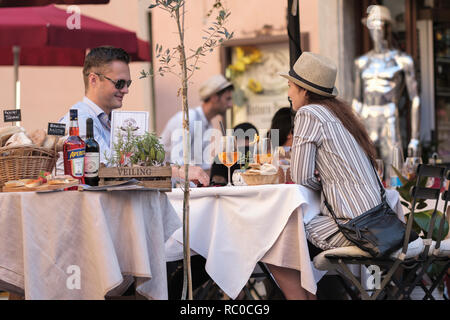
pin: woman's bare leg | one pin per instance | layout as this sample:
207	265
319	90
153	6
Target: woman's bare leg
290	284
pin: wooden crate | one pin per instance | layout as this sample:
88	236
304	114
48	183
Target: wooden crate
150	177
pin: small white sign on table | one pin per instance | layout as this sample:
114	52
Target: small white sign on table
137	121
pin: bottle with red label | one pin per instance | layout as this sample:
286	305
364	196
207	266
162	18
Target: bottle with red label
74	150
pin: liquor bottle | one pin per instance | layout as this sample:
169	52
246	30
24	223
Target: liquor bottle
74	150
92	157
397	163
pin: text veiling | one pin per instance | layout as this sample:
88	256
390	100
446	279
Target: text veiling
135	171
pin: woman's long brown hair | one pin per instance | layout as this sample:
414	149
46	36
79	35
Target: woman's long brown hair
349	119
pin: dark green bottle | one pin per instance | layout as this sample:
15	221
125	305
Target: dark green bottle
92	157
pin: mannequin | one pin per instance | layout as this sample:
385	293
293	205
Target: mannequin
381	75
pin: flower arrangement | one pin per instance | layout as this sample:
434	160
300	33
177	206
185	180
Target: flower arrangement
245	58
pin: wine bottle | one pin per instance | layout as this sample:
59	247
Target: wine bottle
92	157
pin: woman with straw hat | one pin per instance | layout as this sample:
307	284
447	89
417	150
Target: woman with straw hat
331	152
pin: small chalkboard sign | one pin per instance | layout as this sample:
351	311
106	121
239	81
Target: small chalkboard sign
12	115
56	129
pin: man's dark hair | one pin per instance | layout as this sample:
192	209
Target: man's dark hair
101	56
245	126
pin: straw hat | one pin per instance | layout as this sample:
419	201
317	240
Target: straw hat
377	12
314	73
213	85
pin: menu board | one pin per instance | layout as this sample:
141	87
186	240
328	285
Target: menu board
56	129
12	115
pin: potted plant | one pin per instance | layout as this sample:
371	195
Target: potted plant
137	157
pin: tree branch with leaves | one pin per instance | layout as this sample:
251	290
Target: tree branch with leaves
176	62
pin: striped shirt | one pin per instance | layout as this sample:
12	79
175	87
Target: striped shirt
322	143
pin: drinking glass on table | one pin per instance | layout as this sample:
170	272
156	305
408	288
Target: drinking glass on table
228	153
284	159
264	151
410	166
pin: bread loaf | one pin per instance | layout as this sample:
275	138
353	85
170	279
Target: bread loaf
18	139
38	137
7	132
50	142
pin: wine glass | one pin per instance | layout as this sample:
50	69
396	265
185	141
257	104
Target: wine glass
228	154
380	168
264	151
284	159
410	166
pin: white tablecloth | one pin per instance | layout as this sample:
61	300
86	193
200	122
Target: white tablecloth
234	228
45	239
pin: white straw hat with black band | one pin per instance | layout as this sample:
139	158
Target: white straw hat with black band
213	85
314	73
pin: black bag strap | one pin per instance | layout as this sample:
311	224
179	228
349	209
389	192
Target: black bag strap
382	191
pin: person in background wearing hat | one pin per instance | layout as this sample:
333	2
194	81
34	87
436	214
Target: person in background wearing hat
332	153
216	96
381	77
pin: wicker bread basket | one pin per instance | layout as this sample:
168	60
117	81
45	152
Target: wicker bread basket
258	179
25	162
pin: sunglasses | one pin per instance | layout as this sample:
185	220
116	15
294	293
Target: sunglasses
119	84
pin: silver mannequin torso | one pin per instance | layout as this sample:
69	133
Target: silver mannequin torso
380	78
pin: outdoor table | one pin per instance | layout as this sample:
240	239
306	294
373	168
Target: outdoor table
235	227
47	240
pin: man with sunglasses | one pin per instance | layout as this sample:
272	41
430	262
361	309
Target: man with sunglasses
106	76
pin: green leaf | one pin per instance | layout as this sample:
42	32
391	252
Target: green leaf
404	193
423	219
423	182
